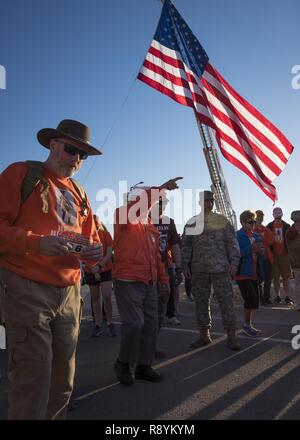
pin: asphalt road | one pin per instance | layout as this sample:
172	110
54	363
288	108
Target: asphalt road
260	382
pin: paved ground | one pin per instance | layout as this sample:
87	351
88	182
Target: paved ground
259	382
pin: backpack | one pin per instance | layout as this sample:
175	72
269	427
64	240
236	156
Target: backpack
35	175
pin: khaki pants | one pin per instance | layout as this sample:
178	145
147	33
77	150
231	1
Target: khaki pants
42	324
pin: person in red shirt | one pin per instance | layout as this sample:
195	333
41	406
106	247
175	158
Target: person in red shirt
137	268
268	240
40	273
99	280
281	263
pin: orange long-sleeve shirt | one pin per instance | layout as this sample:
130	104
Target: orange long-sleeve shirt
268	240
136	250
21	227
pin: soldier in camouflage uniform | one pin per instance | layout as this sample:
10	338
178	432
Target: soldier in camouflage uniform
214	256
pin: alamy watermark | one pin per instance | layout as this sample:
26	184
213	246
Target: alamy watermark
2	77
295	342
135	206
296	79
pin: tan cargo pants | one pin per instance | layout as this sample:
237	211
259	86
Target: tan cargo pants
42	324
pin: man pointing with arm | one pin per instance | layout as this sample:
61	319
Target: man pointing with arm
137	268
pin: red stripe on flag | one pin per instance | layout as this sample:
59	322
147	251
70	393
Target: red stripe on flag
253	130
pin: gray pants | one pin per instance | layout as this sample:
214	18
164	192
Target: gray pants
137	304
201	290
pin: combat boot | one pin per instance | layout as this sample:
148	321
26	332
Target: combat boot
232	343
203	340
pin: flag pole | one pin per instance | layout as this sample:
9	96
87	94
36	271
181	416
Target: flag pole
218	186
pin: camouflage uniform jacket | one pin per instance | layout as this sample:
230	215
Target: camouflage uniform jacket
212	250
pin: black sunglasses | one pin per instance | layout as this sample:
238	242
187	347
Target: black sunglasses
251	222
70	149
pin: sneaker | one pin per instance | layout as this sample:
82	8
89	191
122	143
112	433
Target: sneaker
146	372
250	331
288	300
123	373
277	300
111	330
267	302
97	331
258	332
173	321
160	354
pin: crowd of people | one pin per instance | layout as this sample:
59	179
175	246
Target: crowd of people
49	237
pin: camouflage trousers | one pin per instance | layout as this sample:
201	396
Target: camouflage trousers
202	292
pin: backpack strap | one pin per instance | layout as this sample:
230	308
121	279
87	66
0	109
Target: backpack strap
80	191
33	177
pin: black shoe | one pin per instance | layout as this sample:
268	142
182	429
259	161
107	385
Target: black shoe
288	300
123	373
267	302
147	373
277	300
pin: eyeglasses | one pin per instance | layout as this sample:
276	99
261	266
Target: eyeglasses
70	149
251	222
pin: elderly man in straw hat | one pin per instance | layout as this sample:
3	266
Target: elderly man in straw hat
46	228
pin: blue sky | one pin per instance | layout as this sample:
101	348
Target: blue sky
79	59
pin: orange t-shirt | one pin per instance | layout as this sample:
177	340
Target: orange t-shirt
43	213
268	240
136	250
106	241
278	246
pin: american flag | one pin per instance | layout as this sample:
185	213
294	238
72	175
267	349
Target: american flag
178	66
